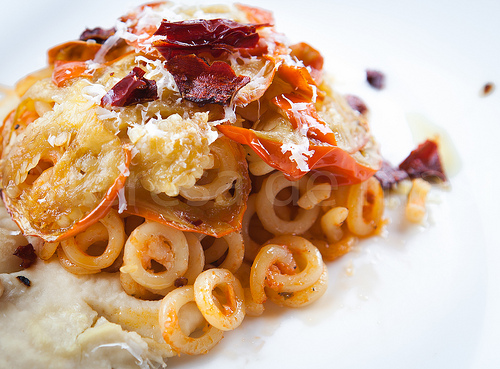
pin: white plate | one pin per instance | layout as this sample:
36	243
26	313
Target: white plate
421	297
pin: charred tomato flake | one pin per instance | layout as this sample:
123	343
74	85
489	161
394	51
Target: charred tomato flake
98	34
356	104
132	89
488	88
24	280
214	36
388	176
180	282
197	223
376	79
202	83
27	254
424	162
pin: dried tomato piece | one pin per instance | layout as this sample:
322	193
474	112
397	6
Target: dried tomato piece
388	176
73	51
424	162
98	34
213	36
356	103
303	116
311	58
130	90
27	255
203	83
66	70
376	79
346	168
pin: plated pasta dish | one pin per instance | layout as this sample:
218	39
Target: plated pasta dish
167	177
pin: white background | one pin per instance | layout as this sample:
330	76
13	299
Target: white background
423	297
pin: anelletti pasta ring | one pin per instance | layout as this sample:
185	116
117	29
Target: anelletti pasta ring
264	205
366	207
161	243
110	229
229	315
304	253
172	331
303	297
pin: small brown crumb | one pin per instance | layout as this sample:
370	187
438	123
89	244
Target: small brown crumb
26	254
286	295
98	34
180	282
375	78
488	88
24	280
356	104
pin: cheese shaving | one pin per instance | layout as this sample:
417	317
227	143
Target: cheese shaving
173	152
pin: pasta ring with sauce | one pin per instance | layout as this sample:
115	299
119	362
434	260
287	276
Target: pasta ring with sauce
267	199
303	297
172	331
165	245
224	316
365	202
109	228
233	244
284	254
221	181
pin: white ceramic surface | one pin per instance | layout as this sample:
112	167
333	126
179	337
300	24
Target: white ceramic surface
418	297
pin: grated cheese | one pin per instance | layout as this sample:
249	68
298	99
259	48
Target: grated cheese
298	153
172	152
156	70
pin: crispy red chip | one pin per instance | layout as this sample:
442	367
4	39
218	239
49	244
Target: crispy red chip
27	254
424	162
203	83
204	35
388	176
98	34
130	90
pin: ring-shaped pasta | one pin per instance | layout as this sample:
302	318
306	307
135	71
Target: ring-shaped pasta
72	267
152	241
109	228
47	249
212	190
415	205
251	307
266	199
170	325
268	256
251	247
196	261
224	316
315	195
304	253
222	182
333	251
132	288
233	243
332	221
366	207
256	165
303	297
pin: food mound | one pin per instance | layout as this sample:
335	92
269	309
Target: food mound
171	174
